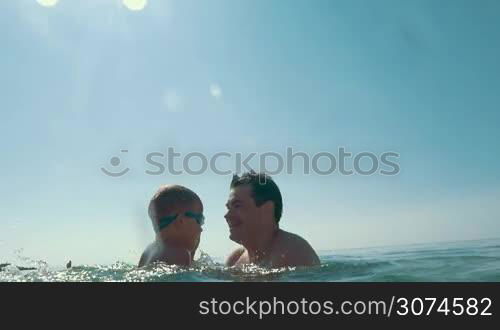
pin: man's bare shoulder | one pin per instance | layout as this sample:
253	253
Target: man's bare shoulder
234	256
292	250
290	240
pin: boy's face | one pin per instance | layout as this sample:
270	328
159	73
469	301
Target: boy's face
184	229
189	227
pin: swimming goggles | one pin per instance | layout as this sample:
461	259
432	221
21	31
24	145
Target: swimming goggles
165	221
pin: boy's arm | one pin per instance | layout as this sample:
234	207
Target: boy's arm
234	257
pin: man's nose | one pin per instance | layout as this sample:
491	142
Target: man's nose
228	216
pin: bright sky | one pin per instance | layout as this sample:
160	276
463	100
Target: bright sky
83	80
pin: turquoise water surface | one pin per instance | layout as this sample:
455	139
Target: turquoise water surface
456	261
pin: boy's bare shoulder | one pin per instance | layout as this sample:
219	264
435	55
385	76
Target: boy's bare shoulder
147	254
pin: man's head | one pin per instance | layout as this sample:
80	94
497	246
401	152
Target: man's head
255	205
173	210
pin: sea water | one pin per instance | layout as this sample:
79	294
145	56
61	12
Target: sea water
467	261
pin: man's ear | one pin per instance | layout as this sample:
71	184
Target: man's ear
267	207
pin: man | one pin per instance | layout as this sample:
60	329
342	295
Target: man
254	212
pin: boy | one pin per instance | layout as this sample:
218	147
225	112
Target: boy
176	213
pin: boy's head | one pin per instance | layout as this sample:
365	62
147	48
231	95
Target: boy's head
175	211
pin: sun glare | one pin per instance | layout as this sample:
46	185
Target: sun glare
47	3
135	5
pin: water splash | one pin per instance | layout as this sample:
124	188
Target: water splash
460	262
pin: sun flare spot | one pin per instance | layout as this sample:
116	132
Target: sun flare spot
47	3
215	91
135	5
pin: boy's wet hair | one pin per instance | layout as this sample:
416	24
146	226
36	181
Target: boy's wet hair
168	200
263	189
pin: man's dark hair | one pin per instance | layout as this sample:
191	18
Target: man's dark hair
263	189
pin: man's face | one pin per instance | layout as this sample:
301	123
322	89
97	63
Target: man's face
243	216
